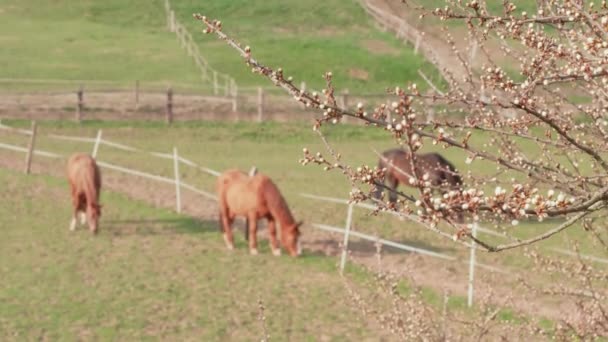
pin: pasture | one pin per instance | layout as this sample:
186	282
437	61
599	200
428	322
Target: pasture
128	41
221	146
154	274
151	273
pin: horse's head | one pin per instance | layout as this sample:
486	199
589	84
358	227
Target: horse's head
94	212
290	239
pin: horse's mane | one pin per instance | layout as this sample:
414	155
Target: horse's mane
276	203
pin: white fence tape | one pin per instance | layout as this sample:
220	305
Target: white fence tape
384	241
15	130
23	149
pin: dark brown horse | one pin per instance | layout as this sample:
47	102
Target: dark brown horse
85	184
254	198
440	172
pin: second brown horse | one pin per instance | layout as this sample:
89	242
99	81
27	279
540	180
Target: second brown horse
254	198
85	184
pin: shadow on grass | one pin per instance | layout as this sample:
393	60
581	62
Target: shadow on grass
367	248
181	225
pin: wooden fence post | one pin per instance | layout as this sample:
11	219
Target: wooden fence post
178	195
472	266
96	146
80	105
30	149
349	220
215	85
226	86
260	104
137	95
169	105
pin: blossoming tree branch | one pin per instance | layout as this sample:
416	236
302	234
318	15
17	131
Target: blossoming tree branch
545	123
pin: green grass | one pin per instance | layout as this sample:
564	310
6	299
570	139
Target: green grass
127	41
275	149
151	273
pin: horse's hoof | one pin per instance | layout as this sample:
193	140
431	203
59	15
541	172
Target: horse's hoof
276	252
228	243
253	251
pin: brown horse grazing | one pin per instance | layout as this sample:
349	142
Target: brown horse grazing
441	173
254	198
85	183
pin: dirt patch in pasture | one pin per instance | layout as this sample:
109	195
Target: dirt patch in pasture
440	275
358	74
380	47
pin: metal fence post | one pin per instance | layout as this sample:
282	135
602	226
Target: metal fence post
472	266
178	197
349	218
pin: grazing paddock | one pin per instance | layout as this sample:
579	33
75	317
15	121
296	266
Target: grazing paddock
221	146
151	273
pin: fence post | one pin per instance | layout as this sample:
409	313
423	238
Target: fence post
260	104
430	112
472	266
137	95
349	218
345	104
80	105
169	105
96	146
473	52
178	196
234	97
30	149
172	21
215	86
226	86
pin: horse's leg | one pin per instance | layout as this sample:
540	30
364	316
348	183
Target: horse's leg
75	205
246	229
83	218
253	227
272	234
392	185
226	222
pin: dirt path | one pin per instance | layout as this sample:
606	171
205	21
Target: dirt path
394	16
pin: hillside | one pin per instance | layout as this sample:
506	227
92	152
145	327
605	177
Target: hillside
124	41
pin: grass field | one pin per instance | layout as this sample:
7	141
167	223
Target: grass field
151	273
128	41
227	145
